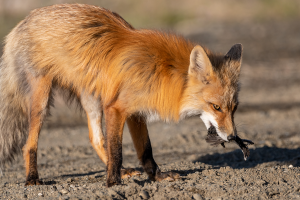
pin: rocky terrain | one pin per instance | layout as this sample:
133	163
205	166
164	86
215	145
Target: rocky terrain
269	115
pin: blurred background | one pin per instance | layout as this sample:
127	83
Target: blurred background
209	22
268	29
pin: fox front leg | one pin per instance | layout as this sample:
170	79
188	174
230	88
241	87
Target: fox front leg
139	133
114	120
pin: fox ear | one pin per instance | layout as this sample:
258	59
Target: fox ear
234	57
235	53
200	65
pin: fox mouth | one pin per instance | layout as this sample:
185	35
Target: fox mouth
214	139
212	126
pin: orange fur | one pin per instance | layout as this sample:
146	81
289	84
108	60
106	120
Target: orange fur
120	61
97	56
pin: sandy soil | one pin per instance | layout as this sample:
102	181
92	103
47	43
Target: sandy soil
269	115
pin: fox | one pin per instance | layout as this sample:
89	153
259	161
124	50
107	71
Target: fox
115	72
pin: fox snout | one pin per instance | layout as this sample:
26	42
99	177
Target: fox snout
215	138
210	121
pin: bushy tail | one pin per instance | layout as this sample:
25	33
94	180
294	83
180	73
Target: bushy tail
13	114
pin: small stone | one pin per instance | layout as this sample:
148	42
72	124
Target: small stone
197	196
291	166
154	188
268	143
40	194
98	193
57	149
260	182
144	194
64	191
69	180
53	188
80	188
59	187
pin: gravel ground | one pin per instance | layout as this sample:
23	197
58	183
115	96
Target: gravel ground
269	115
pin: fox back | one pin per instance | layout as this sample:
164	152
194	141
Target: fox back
100	52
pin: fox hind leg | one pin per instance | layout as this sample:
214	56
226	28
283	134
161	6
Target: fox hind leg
93	109
38	105
139	133
94	112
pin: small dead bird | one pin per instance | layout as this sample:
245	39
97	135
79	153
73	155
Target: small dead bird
214	139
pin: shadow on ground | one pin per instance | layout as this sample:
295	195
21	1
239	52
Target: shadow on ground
269	156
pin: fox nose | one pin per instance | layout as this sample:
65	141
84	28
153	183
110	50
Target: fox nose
231	137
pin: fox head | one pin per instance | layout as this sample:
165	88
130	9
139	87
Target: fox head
213	88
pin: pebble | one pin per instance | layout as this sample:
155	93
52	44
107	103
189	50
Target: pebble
144	194
69	180
291	166
59	187
260	182
53	188
154	188
64	191
99	193
40	194
197	196
268	143
57	148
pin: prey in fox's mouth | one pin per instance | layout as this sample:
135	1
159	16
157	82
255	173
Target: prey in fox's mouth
214	139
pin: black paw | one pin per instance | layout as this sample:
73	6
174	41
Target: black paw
33	182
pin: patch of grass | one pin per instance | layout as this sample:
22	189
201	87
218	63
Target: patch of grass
7	23
278	9
172	18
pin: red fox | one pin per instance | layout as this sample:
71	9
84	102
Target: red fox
130	75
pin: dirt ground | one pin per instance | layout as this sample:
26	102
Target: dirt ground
269	115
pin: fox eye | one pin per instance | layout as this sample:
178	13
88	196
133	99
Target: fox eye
217	107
